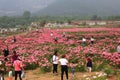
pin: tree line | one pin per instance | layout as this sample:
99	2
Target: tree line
26	19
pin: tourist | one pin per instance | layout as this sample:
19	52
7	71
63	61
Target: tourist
118	48
18	68
55	62
6	53
14	56
51	36
92	40
14	39
56	39
72	68
84	40
64	34
10	75
1	73
89	64
1	70
64	67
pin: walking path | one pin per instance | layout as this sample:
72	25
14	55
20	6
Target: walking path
37	75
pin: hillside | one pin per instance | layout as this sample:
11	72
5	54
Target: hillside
17	7
82	7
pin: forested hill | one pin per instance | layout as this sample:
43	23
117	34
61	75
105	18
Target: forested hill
82	7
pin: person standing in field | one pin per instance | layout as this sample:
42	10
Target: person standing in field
18	68
14	56
10	75
64	66
89	64
72	69
14	39
118	48
55	62
2	70
84	40
92	40
6	53
51	36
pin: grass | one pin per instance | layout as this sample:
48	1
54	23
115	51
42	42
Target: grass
38	75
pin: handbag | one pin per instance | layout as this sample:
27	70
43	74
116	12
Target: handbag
23	74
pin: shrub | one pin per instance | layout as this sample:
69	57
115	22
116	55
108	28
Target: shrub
46	69
108	70
80	68
101	66
31	66
73	45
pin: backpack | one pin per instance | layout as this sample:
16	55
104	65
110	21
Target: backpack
52	59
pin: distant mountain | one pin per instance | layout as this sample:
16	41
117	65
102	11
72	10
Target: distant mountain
60	7
17	7
82	7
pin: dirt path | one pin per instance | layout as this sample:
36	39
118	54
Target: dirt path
37	75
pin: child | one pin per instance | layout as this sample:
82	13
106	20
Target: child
89	64
10	74
73	69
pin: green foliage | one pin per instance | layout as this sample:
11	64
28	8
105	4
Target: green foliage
80	68
108	70
46	69
100	78
31	66
42	23
118	76
112	50
73	45
26	15
101	66
95	17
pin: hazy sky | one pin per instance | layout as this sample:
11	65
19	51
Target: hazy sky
18	6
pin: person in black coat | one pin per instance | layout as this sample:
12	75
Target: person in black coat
89	64
6	53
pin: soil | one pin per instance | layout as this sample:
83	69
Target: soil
37	75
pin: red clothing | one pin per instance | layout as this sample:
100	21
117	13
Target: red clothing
14	57
17	65
88	59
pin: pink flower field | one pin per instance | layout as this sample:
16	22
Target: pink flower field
37	47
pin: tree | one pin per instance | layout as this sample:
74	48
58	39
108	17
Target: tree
42	23
26	14
95	17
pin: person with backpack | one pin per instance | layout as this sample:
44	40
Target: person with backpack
55	62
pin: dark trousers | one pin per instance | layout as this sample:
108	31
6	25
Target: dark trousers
64	68
18	73
2	74
55	68
92	42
